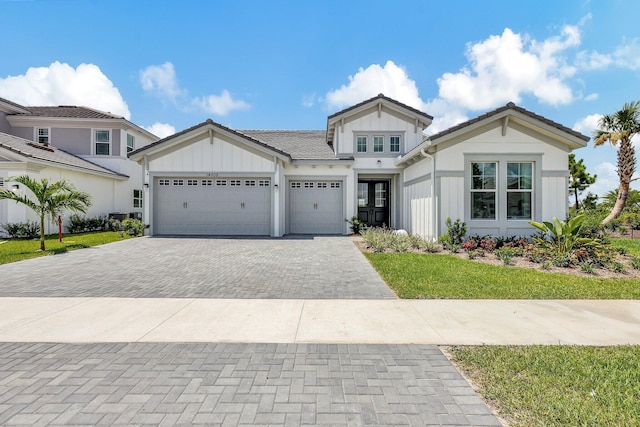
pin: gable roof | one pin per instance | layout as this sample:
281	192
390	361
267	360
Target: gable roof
207	124
12	107
71	112
571	137
53	156
421	118
514	107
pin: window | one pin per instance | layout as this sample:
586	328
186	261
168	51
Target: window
483	190
207	182
1	182
519	190
378	144
322	185
221	182
308	185
394	144
192	182
362	144
137	198
234	183
131	143
363	194
295	185
264	183
335	185
250	183
102	140
178	182
163	182
42	136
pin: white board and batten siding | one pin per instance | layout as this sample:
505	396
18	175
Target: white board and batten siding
220	188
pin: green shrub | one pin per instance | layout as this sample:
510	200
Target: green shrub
617	267
22	230
79	224
355	224
400	243
588	268
133	227
635	263
454	236
560	236
621	250
505	254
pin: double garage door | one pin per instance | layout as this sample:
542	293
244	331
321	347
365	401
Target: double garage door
242	206
315	207
212	206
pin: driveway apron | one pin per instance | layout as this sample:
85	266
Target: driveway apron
298	268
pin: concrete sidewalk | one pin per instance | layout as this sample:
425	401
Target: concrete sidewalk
92	320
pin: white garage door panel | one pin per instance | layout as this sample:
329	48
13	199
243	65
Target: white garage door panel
216	208
315	207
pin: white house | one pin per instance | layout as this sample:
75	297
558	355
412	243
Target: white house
85	146
496	172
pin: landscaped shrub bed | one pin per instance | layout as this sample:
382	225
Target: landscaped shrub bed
583	256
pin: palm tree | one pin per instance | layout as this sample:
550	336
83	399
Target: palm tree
618	129
50	198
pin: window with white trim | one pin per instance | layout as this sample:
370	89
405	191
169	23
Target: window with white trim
164	182
192	182
264	183
322	185
519	190
221	182
1	182
42	136
250	183
394	143
483	190
235	182
178	182
378	144
137	198
295	185
131	143
335	185
102	142
207	182
361	144
308	185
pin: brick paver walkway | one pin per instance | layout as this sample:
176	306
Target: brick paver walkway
304	268
234	384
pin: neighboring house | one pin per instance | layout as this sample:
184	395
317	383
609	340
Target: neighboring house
496	172
86	146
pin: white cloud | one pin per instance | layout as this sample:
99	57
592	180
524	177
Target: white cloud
309	101
161	130
624	56
390	79
504	68
161	79
591	97
587	124
61	84
607	179
220	105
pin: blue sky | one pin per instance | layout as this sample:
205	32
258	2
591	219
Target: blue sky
167	65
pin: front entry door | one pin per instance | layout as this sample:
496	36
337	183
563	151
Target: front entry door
373	203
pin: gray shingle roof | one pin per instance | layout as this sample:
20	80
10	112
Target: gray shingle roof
386	98
299	144
50	154
71	112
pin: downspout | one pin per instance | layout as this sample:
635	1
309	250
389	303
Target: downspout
434	210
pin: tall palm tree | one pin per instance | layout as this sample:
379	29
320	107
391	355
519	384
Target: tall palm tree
618	129
50	198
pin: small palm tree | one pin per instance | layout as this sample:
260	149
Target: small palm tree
618	129
50	198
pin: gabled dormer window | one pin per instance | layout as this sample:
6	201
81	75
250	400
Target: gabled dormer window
384	143
131	143
42	136
102	142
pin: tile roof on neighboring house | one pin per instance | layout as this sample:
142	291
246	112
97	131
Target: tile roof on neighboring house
48	154
70	112
13	104
509	106
299	144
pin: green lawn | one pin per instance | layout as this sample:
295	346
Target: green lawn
17	250
448	276
632	246
557	385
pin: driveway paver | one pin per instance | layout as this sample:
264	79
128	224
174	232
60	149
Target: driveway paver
234	384
296	268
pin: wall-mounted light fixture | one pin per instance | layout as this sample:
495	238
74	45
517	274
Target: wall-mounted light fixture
146	185
379	163
15	187
275	186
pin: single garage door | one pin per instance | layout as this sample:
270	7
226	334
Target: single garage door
315	207
212	206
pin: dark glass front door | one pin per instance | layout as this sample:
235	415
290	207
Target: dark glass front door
373	203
